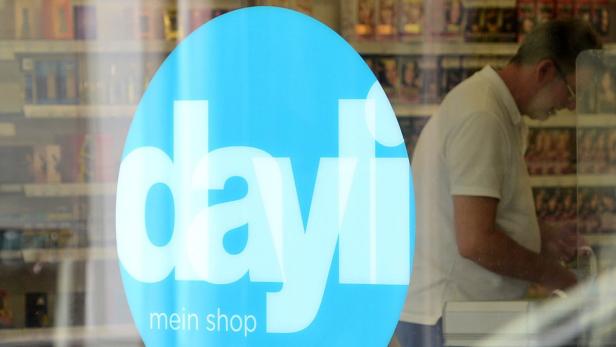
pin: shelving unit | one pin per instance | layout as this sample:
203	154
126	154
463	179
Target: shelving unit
574	180
414	110
96	334
436	47
12	49
59	189
444	48
457	47
57	255
600	239
554	181
79	111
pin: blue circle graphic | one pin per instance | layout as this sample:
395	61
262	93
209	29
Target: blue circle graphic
265	196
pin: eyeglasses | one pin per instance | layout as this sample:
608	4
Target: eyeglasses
564	78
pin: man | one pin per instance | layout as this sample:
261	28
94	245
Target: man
477	235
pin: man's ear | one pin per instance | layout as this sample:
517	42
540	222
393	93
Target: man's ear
545	71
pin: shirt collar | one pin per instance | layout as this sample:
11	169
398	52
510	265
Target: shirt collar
503	93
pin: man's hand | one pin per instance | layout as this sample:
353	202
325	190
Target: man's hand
560	242
480	241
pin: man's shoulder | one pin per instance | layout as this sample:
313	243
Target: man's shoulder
471	97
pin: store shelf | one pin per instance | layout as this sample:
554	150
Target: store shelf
62	254
59	254
61	335
490	3
442	47
573	181
79	111
563	119
414	110
554	181
227	4
68	189
23	221
597	120
11	48
597	180
600	239
11	255
433	48
570	119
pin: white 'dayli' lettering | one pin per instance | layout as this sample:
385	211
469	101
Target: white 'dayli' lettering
359	201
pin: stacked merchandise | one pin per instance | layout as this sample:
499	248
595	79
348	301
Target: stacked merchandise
304	6
597	151
599	97
68	20
78	158
404	20
425	79
13	239
468	20
10	242
51	80
557	207
597	210
66	80
38	246
533	12
551	151
490	21
6	314
37	309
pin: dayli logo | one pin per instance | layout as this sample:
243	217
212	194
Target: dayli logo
264	198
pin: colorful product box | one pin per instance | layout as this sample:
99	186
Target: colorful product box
150	22
583	10
58	19
46	162
451	73
388	75
411	18
410	84
386	19
85	22
546	11
429	80
364	23
28	19
601	17
526	17
564	9
454	17
37	315
172	29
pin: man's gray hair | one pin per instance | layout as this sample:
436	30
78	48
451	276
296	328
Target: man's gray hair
558	40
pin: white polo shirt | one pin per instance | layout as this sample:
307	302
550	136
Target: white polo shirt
472	146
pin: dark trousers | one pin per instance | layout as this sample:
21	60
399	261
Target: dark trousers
418	335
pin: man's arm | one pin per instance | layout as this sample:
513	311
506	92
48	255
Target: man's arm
479	240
